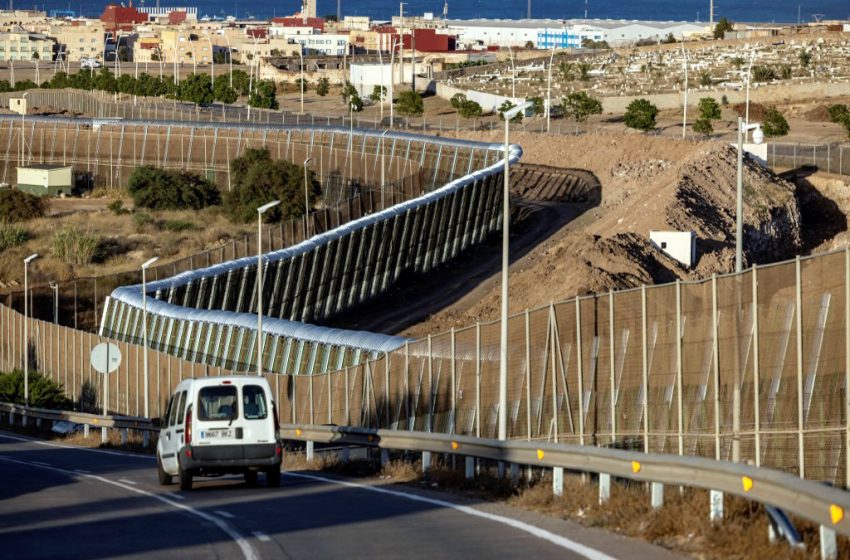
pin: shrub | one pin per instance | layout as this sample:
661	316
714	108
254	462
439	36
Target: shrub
18	206
117	207
179	225
703	126
142	219
579	105
12	235
160	189
257	179
323	87
410	104
709	109
774	123
763	74
457	100
43	392
838	113
640	114
264	95
76	247
470	109
722	27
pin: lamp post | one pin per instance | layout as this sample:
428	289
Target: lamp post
306	199
685	106
400	41
260	211
55	287
212	58
383	166
27	261
549	91
21	161
392	78
229	56
503	347
513	73
145	267
301	58
747	106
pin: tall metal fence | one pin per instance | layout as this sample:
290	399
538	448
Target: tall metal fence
832	158
653	368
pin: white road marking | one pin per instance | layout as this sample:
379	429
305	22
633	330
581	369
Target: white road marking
176	496
81	471
563	542
224	514
248	551
262	536
79	448
39	463
124	480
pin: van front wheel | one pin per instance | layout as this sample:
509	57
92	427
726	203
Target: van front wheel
185	479
273	477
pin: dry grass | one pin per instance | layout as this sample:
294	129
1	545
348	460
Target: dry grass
125	244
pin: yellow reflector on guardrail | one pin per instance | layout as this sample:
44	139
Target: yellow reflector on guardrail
747	483
635	467
540	454
454	445
298	432
836	513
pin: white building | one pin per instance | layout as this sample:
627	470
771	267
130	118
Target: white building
328	44
154	12
548	33
678	245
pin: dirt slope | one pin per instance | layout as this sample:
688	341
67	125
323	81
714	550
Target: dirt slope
648	183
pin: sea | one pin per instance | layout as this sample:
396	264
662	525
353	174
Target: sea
780	11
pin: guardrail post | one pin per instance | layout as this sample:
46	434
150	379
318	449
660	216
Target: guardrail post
38	422
716	505
470	468
146	438
604	487
104	437
345	454
426	462
11	418
24	420
124	436
828	544
310	449
656	493
85	430
385	457
558	481
514	474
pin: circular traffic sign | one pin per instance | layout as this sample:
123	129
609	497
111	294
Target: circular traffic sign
105	357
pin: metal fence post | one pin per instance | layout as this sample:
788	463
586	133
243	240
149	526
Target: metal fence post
847	366
716	366
756	368
612	359
478	379
680	423
527	375
644	370
799	309
454	383
556	346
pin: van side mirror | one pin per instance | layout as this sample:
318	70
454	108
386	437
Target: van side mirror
156	422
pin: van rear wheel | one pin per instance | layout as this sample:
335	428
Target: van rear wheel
251	478
164	478
185	479
273	477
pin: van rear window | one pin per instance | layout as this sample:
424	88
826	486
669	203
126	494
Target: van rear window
218	403
254	399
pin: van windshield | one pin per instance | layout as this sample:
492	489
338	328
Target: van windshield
218	403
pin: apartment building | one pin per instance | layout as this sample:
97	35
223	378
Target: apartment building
25	46
79	40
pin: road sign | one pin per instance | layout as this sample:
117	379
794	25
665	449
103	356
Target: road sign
105	357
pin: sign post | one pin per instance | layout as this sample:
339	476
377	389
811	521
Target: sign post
105	358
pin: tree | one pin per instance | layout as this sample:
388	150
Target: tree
566	70
722	27
539	106
705	78
410	104
196	88
640	114
470	109
529	44
348	90
123	54
838	113
165	189
709	109
264	95
669	39
774	123
584	71
507	106
323	87
257	178
457	100
241	82
356	103
579	106
805	58
222	90
379	93
104	80
703	126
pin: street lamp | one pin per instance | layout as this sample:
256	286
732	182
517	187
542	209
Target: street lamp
549	90
229	56
27	261
212	58
145	267
383	166
503	348
55	287
306	200
392	78
301	58
685	107
749	78
513	73
758	137
260	211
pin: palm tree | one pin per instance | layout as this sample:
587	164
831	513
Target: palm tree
567	71
584	71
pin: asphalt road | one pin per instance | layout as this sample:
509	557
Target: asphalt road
58	501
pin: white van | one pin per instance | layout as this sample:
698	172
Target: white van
219	425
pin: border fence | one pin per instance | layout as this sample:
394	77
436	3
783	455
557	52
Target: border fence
832	158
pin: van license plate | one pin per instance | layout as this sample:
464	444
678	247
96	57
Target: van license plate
216	434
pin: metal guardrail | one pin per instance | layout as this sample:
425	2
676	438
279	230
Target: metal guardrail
116	421
814	501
